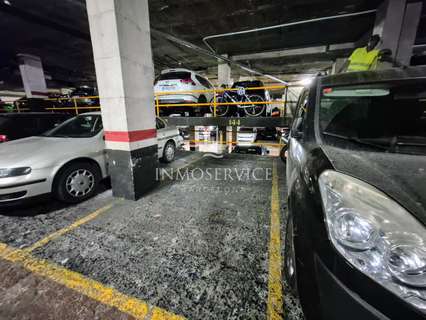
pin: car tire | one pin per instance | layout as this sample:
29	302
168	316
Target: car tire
282	153
76	182
169	152
201	110
290	273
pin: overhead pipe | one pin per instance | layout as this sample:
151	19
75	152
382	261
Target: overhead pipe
288	24
213	54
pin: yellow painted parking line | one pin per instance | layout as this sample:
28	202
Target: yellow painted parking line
275	291
71	227
136	308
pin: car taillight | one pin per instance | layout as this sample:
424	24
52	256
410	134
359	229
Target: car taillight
188	81
3	138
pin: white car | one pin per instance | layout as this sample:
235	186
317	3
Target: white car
246	135
69	161
183	80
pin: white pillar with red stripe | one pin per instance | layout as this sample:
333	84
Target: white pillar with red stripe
120	33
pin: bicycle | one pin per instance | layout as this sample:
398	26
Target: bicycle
240	96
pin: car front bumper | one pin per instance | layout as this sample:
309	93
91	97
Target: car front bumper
178	99
19	188
338	301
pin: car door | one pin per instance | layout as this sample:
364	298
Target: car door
296	153
99	149
161	134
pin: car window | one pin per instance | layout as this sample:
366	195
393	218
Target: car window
179	75
83	126
392	114
204	82
302	106
47	123
160	124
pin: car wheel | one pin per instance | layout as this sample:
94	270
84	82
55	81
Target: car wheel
202	109
76	182
290	257
283	153
169	152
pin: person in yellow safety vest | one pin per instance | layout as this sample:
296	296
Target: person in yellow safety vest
365	58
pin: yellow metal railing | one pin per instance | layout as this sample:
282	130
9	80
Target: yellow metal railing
214	103
158	105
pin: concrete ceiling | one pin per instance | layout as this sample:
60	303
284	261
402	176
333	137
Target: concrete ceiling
57	31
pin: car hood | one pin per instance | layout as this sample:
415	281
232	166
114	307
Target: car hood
400	176
37	152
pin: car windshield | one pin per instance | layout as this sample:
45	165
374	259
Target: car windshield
389	117
83	126
174	75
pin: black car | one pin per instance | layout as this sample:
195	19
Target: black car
83	96
257	150
267	133
356	176
21	125
32	105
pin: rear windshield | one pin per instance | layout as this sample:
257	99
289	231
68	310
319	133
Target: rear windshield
174	76
246	130
391	115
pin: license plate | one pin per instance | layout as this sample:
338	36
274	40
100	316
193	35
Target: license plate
168	88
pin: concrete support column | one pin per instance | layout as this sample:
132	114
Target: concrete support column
337	65
193	136
408	33
221	137
396	23
120	33
32	75
224	73
234	136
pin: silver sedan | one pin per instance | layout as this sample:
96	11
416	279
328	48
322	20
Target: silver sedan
68	161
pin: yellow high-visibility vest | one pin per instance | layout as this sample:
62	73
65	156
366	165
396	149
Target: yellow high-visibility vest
363	60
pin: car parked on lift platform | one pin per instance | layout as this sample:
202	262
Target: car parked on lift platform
356	177
21	125
256	150
183	80
68	161
246	135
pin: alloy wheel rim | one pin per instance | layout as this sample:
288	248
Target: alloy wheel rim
80	183
170	152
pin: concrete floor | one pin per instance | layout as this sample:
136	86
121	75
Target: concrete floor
197	248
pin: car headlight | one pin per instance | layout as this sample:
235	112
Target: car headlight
376	235
14	172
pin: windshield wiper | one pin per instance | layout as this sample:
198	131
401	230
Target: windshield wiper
357	140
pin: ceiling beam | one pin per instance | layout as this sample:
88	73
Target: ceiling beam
294	52
205	52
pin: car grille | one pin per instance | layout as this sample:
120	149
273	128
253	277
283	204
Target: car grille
12	196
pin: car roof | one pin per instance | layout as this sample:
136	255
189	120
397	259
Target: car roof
374	76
